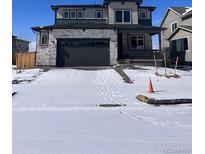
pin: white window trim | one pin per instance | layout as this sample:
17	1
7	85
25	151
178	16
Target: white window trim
175	22
101	11
63	14
137	35
145	11
81	12
47	42
188	39
75	14
123	16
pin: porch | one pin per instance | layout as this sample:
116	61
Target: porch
135	46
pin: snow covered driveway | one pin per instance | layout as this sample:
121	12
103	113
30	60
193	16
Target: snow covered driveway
57	114
72	88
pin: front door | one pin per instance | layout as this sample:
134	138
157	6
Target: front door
178	49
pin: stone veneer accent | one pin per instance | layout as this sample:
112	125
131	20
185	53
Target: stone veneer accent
46	55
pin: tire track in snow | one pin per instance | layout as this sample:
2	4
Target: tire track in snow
108	91
155	121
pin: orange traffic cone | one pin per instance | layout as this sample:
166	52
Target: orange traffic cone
150	88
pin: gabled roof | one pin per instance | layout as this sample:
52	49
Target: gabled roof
55	7
180	11
186	28
187	15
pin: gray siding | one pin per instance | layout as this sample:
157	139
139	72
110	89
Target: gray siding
185	34
81	21
89	13
171	17
118	5
108	13
46	55
20	46
187	22
145	22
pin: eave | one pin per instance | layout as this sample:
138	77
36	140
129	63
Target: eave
176	30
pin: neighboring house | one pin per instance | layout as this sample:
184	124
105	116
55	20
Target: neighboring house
92	35
177	38
18	45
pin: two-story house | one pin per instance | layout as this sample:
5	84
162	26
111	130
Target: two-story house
96	35
177	38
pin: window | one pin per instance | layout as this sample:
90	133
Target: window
99	14
66	14
137	41
185	41
123	16
173	26
118	16
143	14
44	38
80	14
140	41
126	16
72	14
179	45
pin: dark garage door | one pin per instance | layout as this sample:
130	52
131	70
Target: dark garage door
82	52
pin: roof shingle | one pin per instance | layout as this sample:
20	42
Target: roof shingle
180	10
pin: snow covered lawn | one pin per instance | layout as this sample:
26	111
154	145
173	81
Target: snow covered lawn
165	88
27	74
58	113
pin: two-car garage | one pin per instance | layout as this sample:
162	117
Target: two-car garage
83	52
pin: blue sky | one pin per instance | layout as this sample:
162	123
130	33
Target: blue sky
30	13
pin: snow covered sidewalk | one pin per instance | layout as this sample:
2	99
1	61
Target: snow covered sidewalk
58	113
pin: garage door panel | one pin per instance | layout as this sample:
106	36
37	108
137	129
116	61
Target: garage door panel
88	57
89	52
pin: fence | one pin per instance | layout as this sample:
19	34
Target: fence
25	60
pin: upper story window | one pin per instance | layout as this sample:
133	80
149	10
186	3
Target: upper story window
143	14
80	14
66	14
72	14
173	26
44	38
99	14
123	16
137	41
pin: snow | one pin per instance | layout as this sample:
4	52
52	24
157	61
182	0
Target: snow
165	88
188	9
58	112
27	74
